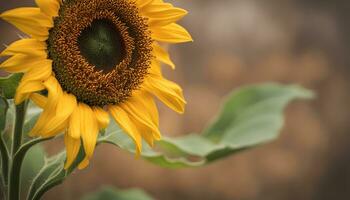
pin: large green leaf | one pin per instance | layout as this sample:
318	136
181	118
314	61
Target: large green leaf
26	162
48	176
110	193
51	174
33	161
250	116
8	85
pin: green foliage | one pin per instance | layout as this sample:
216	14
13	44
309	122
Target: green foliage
48	176
3	112
250	116
51	174
109	193
4	152
32	163
8	85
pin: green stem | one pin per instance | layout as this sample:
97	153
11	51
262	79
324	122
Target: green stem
15	167
5	162
5	159
17	136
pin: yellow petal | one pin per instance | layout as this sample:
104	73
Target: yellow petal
38	99
162	14
89	129
29	20
64	109
39	71
20	63
162	55
142	108
59	121
155	68
142	3
72	149
166	91
32	80
122	118
157	1
54	92
66	104
146	133
54	130
74	123
28	16
83	164
172	33
29	87
49	7
24	90
102	117
54	95
32	47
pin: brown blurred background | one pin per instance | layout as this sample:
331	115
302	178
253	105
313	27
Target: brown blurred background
239	42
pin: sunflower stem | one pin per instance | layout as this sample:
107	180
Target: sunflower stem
17	135
4	166
15	166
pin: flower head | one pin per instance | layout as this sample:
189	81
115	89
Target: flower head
95	58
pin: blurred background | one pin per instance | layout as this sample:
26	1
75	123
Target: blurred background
240	42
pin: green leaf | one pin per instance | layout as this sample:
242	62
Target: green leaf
250	116
3	147
3	112
47	176
51	168
32	115
115	136
110	193
250	108
8	85
9	123
52	174
15	174
33	161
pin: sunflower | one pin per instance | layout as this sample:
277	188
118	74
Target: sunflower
85	60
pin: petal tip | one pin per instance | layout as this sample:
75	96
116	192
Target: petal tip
66	166
83	164
18	99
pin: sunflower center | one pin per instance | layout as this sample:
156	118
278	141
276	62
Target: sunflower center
101	44
101	50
